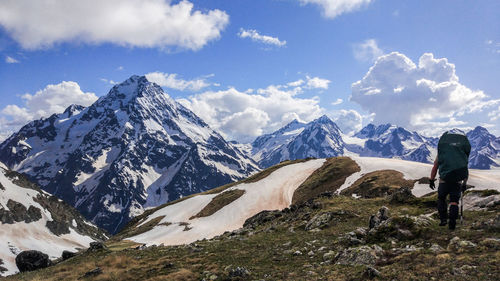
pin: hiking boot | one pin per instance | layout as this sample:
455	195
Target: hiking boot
452	224
443	223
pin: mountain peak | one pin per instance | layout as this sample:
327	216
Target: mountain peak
323	119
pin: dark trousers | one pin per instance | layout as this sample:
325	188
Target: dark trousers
453	189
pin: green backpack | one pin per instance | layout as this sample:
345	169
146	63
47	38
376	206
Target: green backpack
453	157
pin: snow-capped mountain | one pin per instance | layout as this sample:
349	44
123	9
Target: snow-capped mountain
31	219
389	141
295	141
485	152
133	148
319	138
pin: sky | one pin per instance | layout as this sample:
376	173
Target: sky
248	67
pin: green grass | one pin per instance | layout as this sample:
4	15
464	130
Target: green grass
218	202
328	177
378	183
265	256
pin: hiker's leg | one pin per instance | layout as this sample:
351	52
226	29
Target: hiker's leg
441	203
454	198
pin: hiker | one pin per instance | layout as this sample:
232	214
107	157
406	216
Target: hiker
451	161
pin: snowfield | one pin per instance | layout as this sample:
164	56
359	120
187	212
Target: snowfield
275	193
271	193
21	236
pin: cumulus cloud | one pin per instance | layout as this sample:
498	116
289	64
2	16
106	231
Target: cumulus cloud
257	37
10	60
108	81
367	50
246	115
52	99
349	121
135	23
334	8
317	83
170	80
422	97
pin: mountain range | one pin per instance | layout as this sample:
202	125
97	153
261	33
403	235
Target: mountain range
322	138
136	148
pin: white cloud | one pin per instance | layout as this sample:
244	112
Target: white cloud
170	80
317	83
135	23
338	101
52	99
120	68
10	60
494	114
334	8
108	81
419	97
265	39
349	121
246	115
367	50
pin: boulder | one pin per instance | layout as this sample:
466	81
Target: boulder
67	254
94	272
402	195
237	272
458	245
95	246
363	255
320	220
381	216
32	260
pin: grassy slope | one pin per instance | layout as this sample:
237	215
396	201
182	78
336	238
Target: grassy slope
378	183
267	252
263	253
327	178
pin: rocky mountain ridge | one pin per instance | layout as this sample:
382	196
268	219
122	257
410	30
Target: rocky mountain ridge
31	219
133	148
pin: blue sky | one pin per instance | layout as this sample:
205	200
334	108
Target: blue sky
210	66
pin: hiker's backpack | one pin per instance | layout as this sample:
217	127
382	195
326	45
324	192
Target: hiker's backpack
453	156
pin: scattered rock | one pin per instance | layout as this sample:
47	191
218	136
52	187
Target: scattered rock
141	247
370	273
96	246
475	201
94	272
460	246
435	248
320	220
237	272
311	253
491	243
363	255
402	195
297	253
261	218
464	270
67	254
381	216
329	256
32	260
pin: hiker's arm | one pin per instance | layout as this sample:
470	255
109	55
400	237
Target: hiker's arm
434	169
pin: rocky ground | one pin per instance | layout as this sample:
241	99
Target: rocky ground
329	237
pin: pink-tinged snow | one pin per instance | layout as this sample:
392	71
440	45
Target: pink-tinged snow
480	179
271	193
21	236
